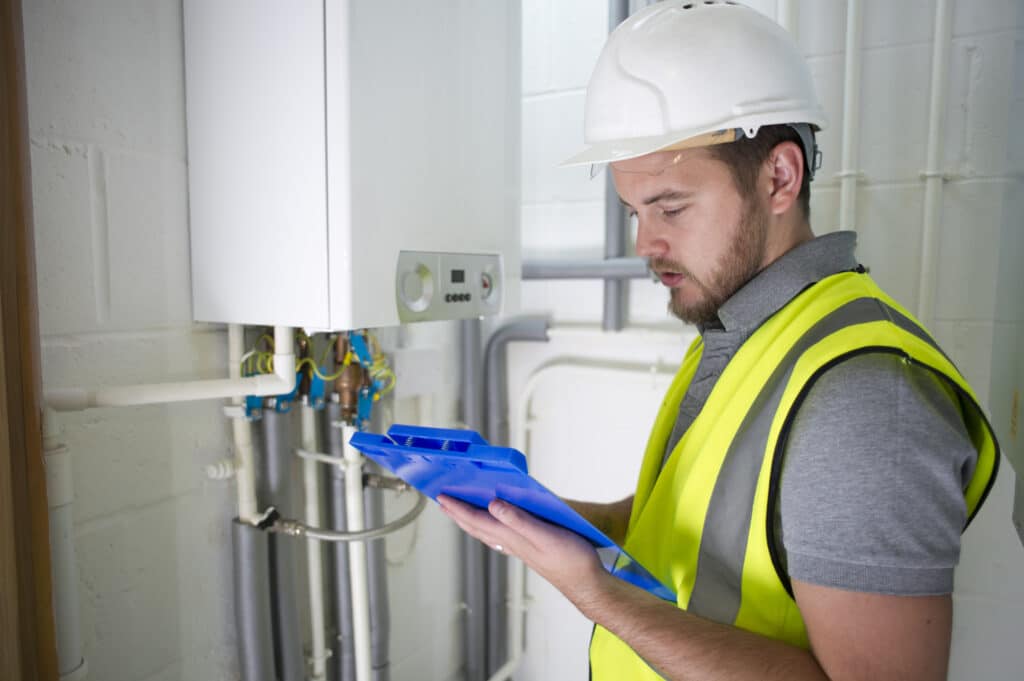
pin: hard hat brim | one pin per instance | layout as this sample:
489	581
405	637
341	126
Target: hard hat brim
620	150
610	152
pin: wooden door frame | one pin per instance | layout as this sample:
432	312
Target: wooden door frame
28	648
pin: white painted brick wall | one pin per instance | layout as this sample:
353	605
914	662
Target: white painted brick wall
152	534
105	91
978	298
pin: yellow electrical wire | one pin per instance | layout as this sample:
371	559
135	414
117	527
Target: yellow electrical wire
244	363
379	369
331	340
316	370
330	377
262	361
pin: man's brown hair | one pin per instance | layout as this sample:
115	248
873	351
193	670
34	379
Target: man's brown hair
745	157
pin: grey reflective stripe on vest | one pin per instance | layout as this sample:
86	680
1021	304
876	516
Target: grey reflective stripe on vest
716	591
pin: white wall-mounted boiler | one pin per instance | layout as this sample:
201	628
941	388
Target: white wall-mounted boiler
352	163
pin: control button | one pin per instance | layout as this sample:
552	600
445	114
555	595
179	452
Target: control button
469	297
447	297
487	284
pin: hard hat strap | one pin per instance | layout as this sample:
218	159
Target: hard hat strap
812	154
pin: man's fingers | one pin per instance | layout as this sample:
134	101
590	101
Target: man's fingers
480	524
539	533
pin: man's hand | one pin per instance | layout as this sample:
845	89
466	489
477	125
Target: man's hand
560	556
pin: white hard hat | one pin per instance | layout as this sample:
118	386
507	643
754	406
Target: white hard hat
679	72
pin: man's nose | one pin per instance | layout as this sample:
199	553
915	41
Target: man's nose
648	242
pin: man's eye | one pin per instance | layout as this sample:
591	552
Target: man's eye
670	213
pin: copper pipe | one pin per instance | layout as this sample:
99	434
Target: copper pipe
350	381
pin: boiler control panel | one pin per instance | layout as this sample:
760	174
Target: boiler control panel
434	286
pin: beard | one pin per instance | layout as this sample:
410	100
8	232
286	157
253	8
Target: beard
734	269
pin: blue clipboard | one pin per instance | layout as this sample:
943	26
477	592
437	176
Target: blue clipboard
460	464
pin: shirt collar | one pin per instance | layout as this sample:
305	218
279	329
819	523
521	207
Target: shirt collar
774	286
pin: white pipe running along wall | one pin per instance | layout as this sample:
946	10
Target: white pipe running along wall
241	430
787	15
357	555
58	468
311	481
933	176
849	175
60	494
519	429
281	382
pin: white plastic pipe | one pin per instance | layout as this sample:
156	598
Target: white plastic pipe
519	428
280	382
357	556
311	481
932	174
60	494
241	430
787	15
849	174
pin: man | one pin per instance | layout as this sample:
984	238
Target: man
817	456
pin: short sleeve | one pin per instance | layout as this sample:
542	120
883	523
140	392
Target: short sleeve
871	493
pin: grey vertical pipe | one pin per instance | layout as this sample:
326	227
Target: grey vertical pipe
615	290
343	662
496	372
497	611
377	584
251	548
471	378
497	431
473	553
274	488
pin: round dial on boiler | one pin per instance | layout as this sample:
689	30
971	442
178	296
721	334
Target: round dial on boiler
417	288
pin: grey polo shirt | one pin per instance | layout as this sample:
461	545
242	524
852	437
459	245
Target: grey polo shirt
871	495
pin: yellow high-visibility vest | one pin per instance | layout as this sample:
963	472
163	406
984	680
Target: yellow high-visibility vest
703	523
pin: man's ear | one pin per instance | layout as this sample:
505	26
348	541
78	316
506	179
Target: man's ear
785	174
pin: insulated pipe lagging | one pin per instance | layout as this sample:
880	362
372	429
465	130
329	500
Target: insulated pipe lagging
251	551
314	554
377	581
533	329
472	553
275	490
471	379
343	662
497	611
528	329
